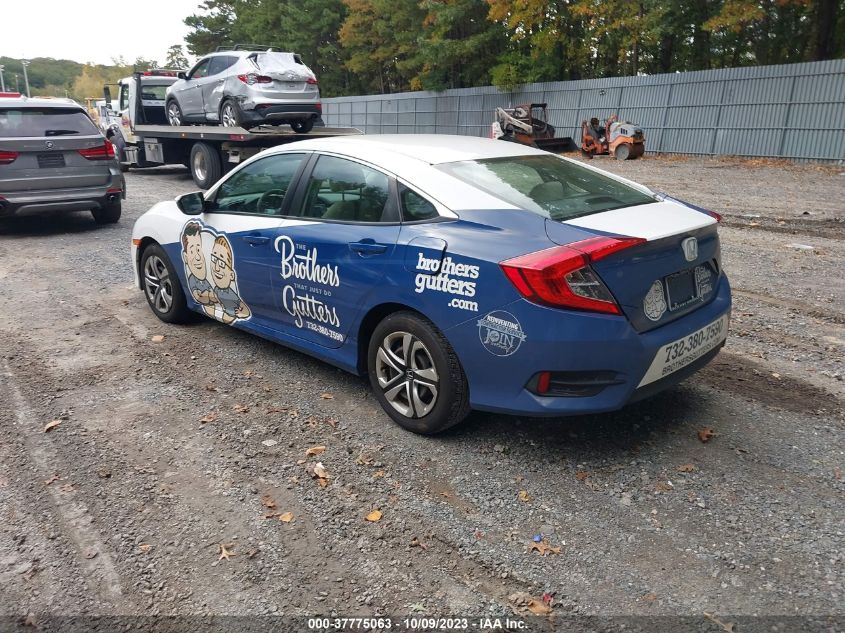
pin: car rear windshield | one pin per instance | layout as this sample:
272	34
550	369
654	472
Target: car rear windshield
547	185
44	122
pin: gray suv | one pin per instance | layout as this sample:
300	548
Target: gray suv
239	88
53	158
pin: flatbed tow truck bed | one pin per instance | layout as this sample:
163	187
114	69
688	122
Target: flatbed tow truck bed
218	133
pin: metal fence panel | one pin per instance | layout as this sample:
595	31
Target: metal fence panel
792	111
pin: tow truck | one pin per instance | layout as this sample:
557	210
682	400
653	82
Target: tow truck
142	137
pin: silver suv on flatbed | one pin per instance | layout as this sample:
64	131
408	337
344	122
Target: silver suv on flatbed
53	158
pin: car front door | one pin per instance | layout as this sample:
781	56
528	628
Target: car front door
227	251
331	257
189	92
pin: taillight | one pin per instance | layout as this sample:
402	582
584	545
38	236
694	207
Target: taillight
561	276
101	152
252	78
7	158
318	106
311	81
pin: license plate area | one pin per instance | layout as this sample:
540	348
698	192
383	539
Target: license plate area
681	289
53	159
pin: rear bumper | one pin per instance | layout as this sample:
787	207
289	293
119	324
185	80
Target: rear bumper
279	113
60	200
602	348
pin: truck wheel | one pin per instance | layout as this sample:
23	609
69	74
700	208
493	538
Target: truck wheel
109	214
174	113
302	127
206	166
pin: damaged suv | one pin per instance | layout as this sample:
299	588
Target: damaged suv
243	88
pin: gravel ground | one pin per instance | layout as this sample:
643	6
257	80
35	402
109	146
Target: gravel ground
168	451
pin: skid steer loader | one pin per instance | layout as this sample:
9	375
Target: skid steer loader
528	124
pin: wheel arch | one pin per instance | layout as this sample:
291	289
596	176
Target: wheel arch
139	253
374	316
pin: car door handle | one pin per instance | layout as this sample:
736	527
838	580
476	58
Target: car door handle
256	240
367	247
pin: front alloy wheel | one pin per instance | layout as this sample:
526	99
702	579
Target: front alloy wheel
174	114
416	375
162	287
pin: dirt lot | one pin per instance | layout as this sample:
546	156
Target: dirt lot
168	449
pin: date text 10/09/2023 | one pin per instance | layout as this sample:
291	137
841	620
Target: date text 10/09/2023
416	623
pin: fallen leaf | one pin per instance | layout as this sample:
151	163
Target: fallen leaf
66	488
320	471
270	515
581	475
240	408
374	516
706	434
276	409
378	473
210	417
248	373
158	338
415	542
144	547
251	553
52	424
837	474
286	517
104	474
364	460
268	502
662	486
543	548
538	607
269	442
650	597
524	496
326	396
51	480
211	388
89	553
686	468
225	552
314	451
547	598
331	422
519	479
322	482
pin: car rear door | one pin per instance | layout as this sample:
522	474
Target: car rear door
212	86
189	92
48	147
331	258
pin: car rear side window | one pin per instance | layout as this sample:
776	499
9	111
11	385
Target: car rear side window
547	185
347	191
415	207
38	122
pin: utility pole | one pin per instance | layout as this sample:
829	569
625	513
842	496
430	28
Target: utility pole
2	82
25	63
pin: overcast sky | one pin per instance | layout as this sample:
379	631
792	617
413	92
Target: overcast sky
93	30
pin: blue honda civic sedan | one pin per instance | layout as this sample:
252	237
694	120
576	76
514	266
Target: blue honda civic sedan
456	273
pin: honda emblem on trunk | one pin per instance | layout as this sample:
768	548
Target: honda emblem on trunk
690	248
49	144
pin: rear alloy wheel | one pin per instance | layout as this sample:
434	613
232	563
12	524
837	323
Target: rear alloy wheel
416	374
162	287
109	214
174	113
622	151
302	127
230	115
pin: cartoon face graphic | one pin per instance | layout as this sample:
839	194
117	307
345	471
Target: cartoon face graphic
222	272
192	253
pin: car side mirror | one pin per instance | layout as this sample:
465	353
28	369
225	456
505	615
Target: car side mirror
191	203
182	74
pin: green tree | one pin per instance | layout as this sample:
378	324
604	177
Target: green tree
176	57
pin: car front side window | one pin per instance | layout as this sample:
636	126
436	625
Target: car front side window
200	70
258	188
346	191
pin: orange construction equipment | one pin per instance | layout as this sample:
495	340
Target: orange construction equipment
528	124
624	140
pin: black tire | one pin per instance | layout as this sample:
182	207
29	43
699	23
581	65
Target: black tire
302	127
173	111
109	214
389	373
231	115
160	283
205	165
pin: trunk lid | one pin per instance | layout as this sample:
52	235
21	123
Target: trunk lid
660	280
290	77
